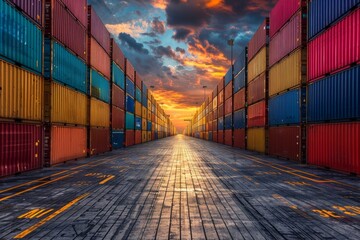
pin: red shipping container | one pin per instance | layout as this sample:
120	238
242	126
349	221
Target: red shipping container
228	137
98	30
287	39
239	99
336	48
118	98
215	136
259	39
282	12
68	31
20	148
99	140
215	125
118	116
79	9
228	90
228	106
257	89
153	136
221	111
32	8
214	93
138	80
130	138
220	97
220	136
239	138
210	117
210	126
256	115
335	146
99	59
285	142
215	113
220	85
67	143
130	71
138	137
153	116
117	55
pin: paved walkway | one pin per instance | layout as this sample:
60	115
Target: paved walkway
180	188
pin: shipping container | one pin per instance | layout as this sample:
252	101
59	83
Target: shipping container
138	123
118	76
215	136
138	108
21	93
220	111
99	113
257	89
239	138
240	119
259	39
221	85
229	76
144	137
99	140
130	104
149	125
118	118
130	71
335	97
68	106
228	122
67	143
285	108
130	87
78	8
285	142
257	115
100	86
20	148
117	55
21	40
220	124
228	137
117	139
228	90
98	30
149	136
129	121
32	8
67	68
282	12
256	139
220	97
240	62
99	59
138	81
336	48
228	106
257	65
138	95
287	73
323	13
138	137
118	98
335	146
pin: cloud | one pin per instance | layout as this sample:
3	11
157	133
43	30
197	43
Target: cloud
134	28
162	51
181	34
130	42
180	50
158	26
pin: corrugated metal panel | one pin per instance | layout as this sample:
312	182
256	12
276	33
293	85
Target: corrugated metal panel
99	140
21	93
144	90
78	8
228	122
240	81
335	97
220	123
99	59
117	139
67	68
129	121
228	137
144	112
118	98
68	31
20	148
229	76
220	97
259	39
67	143
285	108
323	13
239	119
257	89
32	8
98	30
257	65
282	12
220	136
130	71
99	113
138	95
285	142
117	55
130	104
286	40
336	48
138	80
138	137
118	118
239	99
129	138
21	40
149	137
144	100
228	90
335	146
220	111
100	86
138	108
221	85
130	87
286	74
256	139
256	115
149	125
144	137
228	106
138	123
118	76
239	138
67	105
240	62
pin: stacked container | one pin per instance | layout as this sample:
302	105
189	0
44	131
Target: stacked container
287	80
228	107
148	117
239	106
209	122
144	101
117	96
333	90
138	109
220	111
21	88
130	104
215	115
257	89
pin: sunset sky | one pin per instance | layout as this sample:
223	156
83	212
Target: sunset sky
178	46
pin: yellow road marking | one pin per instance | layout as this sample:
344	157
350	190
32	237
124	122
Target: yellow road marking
44	213
107	179
51	216
35	213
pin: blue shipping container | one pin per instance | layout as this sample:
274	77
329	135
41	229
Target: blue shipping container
118	76
144	100
21	40
221	124
240	62
117	139
239	119
137	123
335	97
285	108
130	104
322	13
68	68
144	89
100	86
239	81
130	121
228	122
130	87
138	95
228	76
149	125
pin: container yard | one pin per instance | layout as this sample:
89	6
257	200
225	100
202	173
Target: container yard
138	121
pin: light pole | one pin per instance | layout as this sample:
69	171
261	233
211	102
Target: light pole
231	44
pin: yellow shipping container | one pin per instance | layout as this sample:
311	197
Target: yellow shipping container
148	115
144	112
143	123
67	105
138	108
144	136
257	65
99	113
256	139
21	93
149	136
286	74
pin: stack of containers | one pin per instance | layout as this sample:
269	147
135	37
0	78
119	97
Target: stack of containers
148	117
257	85
209	123
129	104
99	77
228	107
138	109
153	114
215	115
333	90
65	89
239	106
220	116
117	96
21	92
287	80
144	103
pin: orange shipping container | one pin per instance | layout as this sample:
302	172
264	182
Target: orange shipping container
256	139
144	136
99	113
257	65
138	108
